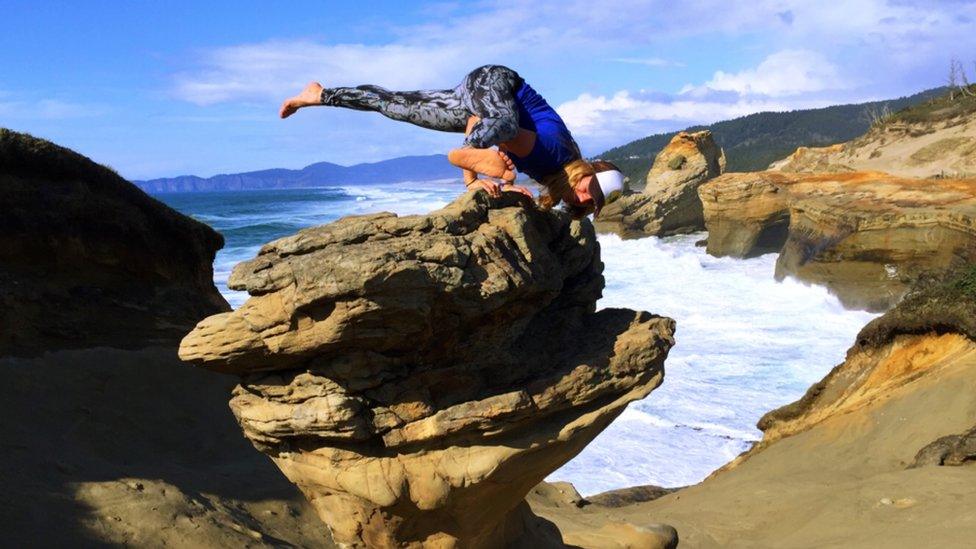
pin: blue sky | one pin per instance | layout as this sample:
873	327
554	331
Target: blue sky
167	88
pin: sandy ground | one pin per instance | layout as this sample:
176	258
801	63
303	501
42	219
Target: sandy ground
105	447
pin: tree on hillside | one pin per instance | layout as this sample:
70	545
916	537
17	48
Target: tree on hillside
952	79
958	80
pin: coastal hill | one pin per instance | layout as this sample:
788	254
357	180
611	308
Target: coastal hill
754	141
406	168
935	138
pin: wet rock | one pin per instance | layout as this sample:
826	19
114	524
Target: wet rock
948	450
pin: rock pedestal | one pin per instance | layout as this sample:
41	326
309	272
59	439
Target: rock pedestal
669	203
417	376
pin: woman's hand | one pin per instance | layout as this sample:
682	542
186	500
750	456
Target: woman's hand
510	188
489	186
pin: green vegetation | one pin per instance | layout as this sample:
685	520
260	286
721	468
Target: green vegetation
753	142
945	304
676	162
960	102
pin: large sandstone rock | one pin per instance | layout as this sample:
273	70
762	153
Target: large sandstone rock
669	203
417	376
87	259
866	235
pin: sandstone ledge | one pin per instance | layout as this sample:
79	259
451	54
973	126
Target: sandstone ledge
867	235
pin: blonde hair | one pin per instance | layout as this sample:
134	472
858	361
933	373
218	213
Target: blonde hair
559	185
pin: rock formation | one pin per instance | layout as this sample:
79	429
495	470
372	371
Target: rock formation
880	453
866	235
417	376
88	259
669	203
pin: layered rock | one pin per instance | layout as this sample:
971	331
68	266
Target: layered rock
417	376
87	259
669	203
866	235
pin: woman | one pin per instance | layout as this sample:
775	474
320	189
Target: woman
493	106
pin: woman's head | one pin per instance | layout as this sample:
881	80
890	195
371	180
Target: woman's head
578	186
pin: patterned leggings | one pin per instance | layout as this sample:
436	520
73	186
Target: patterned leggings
487	92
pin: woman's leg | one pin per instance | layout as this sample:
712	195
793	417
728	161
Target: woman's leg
433	109
489	93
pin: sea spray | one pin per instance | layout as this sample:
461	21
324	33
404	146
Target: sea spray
745	343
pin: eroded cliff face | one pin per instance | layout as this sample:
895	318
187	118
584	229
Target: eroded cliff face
866	235
669	203
87	259
417	376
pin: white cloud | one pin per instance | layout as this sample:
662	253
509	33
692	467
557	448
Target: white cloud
49	109
788	72
274	70
597	115
648	61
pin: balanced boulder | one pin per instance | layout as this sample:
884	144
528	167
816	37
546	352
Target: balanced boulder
416	376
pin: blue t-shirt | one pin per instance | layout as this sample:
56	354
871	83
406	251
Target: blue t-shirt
554	146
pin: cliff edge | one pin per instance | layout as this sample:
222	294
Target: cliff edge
417	376
868	236
88	259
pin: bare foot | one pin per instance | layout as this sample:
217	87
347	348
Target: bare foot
484	161
509	165
311	95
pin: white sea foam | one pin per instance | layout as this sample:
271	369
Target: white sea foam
745	344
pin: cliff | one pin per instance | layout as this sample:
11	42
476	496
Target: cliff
868	236
417	376
88	259
669	203
878	453
108	439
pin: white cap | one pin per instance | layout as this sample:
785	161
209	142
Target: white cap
608	182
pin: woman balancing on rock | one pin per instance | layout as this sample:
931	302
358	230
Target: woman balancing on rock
494	107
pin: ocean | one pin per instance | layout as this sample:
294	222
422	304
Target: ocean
745	344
